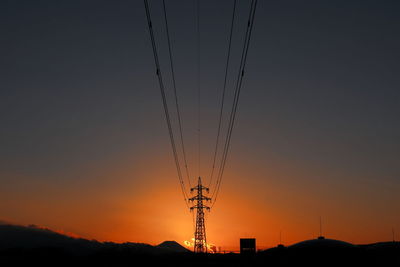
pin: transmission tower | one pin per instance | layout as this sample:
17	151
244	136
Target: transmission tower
200	245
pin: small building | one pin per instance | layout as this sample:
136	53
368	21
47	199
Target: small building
247	246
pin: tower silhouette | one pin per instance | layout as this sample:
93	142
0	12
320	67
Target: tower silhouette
200	245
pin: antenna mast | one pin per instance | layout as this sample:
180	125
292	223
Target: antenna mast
320	229
393	236
200	245
320	226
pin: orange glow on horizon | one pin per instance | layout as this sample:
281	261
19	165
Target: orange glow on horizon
151	209
190	244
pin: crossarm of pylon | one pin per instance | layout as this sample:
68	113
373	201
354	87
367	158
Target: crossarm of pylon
199	187
200	207
199	198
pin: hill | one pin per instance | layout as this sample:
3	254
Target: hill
32	237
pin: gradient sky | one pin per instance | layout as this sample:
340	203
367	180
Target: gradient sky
84	146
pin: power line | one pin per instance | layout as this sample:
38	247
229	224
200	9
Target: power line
236	98
223	93
198	84
165	104
175	93
233	112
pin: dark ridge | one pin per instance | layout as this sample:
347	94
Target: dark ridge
34	237
29	245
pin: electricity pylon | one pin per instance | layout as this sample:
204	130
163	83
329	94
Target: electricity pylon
200	245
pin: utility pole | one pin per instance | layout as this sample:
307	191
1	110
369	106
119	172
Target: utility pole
200	245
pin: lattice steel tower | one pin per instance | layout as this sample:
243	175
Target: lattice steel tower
200	245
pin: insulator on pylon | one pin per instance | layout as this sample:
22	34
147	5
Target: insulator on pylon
200	244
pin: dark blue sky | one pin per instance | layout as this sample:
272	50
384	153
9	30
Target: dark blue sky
321	93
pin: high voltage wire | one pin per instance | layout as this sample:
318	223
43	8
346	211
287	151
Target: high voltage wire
175	93
236	98
165	104
233	112
198	83
223	93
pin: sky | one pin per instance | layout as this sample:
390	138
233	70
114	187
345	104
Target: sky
85	148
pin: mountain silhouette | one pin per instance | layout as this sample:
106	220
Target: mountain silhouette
30	237
34	237
173	246
25	245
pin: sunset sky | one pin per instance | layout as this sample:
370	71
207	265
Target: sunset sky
84	146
